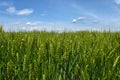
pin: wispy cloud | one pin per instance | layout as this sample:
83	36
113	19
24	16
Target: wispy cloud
13	10
44	13
81	10
78	19
117	1
6	4
92	15
95	22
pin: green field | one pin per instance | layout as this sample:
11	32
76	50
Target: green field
44	55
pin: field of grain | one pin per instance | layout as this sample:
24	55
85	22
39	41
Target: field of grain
44	55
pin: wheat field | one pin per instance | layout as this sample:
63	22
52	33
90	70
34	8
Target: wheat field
81	55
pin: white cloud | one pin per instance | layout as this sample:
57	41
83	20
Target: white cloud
28	23
81	18
31	24
74	20
24	12
117	1
13	10
78	19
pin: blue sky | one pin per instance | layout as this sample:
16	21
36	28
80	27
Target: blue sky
60	14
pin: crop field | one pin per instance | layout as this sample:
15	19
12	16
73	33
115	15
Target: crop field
82	55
